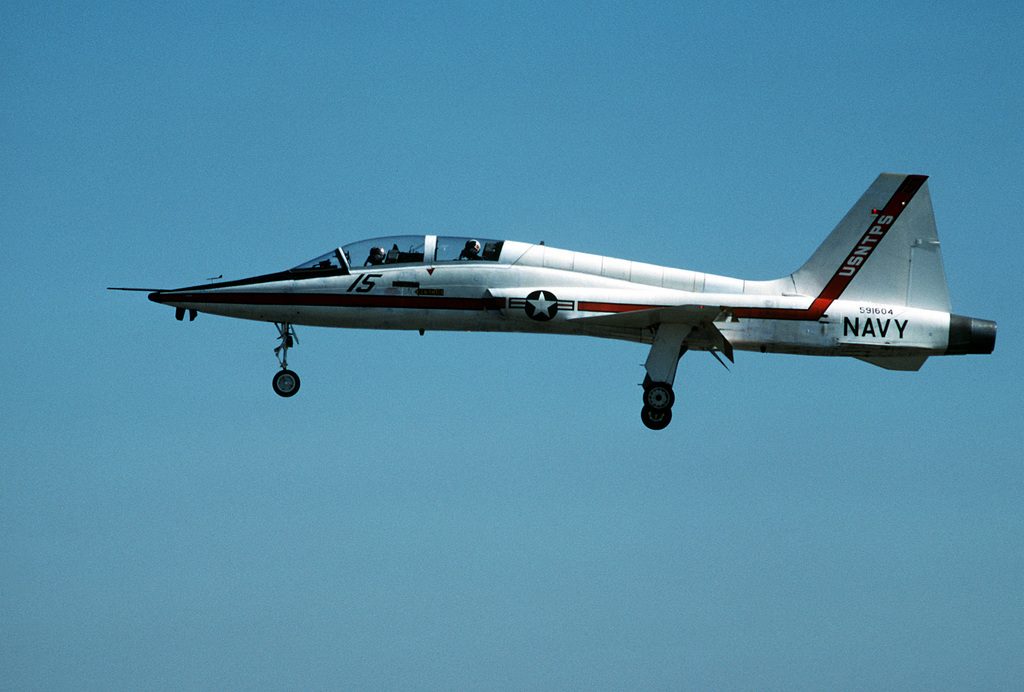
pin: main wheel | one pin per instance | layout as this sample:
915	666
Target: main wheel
659	396
656	419
286	383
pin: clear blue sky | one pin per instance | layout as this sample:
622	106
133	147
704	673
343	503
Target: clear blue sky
479	511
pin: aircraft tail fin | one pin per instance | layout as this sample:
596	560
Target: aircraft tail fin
893	226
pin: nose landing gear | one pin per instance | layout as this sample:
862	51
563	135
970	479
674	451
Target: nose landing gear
286	382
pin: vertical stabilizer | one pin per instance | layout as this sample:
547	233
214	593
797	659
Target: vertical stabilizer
873	258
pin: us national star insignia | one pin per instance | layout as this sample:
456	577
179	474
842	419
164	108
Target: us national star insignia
541	305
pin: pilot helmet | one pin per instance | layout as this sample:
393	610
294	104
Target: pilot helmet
377	254
472	246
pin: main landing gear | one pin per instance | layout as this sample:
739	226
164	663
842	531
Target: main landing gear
286	382
667	346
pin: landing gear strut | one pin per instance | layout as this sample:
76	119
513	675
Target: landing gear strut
286	382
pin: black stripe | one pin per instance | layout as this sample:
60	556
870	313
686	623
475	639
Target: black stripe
345	300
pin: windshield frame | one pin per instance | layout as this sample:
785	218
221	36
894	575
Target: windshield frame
329	262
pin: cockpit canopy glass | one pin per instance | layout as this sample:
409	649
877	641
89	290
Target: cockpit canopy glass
454	249
400	249
403	249
330	260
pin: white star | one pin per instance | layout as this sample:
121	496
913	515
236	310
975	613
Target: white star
542	305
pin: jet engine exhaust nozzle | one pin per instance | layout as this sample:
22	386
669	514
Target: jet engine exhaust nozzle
970	335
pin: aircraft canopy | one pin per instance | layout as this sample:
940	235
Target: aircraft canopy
405	249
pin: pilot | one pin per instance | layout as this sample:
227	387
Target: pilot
376	257
471	251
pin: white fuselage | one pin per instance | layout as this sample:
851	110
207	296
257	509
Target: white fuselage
535	288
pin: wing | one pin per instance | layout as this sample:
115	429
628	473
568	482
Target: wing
692	315
700	318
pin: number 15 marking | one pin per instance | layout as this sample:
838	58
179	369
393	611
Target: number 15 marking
364	283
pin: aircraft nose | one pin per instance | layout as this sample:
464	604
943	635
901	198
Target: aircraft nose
168	296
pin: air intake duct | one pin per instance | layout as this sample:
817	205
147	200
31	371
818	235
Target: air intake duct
970	335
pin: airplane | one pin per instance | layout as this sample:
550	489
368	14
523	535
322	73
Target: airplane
874	290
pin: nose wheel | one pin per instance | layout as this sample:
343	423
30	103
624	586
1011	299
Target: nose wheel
658	399
286	382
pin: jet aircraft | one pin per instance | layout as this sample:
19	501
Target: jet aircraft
874	290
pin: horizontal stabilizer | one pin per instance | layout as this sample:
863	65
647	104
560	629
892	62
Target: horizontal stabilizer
906	363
